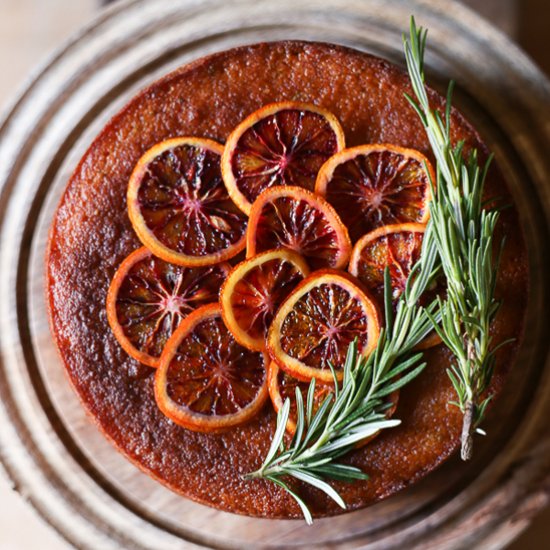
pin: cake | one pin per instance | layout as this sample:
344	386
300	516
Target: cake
91	235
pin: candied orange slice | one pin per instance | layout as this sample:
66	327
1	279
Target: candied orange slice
316	324
396	247
280	144
149	297
282	386
179	206
375	185
255	289
291	217
206	381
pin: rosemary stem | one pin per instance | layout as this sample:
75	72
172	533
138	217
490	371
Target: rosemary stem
258	474
466	438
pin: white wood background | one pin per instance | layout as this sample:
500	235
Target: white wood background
29	30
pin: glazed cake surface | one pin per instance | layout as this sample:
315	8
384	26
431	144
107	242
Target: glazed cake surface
91	235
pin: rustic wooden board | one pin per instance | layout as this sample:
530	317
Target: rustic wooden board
56	457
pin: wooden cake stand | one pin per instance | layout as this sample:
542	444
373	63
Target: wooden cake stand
56	457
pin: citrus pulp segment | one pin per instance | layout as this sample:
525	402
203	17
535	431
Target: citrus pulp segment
280	144
179	206
206	381
148	298
315	325
255	289
294	218
375	185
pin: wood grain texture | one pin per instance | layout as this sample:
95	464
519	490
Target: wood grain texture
52	452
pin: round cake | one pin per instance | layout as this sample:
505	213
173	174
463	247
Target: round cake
91	235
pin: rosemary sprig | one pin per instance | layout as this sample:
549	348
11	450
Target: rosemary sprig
357	409
463	229
459	238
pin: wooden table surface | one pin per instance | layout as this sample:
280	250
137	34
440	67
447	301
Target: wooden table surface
29	29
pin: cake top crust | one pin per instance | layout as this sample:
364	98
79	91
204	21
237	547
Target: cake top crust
91	235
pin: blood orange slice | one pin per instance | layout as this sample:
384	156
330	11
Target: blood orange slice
293	218
179	206
397	247
149	297
280	144
317	322
206	381
254	291
385	184
282	386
